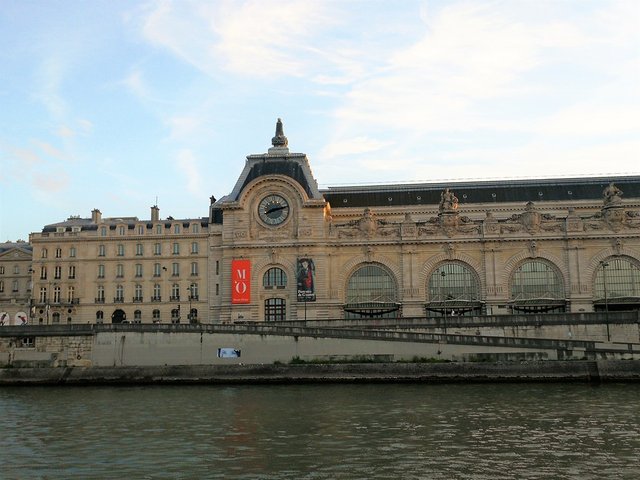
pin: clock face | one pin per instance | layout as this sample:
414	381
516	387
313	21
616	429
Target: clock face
273	209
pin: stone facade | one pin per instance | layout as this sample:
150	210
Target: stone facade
295	251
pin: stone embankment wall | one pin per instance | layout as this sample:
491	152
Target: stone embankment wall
576	371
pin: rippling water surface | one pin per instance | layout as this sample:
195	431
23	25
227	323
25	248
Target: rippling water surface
532	431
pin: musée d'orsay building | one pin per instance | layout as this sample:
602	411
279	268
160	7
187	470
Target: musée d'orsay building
279	248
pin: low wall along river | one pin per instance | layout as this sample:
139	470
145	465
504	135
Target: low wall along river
265	352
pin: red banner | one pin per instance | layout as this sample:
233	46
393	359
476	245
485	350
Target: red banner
240	281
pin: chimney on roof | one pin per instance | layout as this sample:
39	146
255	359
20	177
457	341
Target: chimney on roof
96	216
155	213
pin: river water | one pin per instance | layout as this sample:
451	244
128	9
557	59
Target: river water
354	431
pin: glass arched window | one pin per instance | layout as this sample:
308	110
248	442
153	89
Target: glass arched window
175	315
156	316
137	316
453	290
99	316
274	278
371	292
275	309
617	285
536	287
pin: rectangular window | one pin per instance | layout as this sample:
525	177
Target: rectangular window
121	230
195	227
43	294
72	271
176	228
70	294
16	269
58	253
194	247
176	249
103	231
139	249
100	271
217	289
138	269
175	269
72	252
56	295
1	285
159	229
44	253
101	250
15	285
194	268
100	294
217	267
120	250
119	270
43	273
156	269
1	270
140	229
57	272
157	249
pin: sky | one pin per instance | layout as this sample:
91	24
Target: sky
120	105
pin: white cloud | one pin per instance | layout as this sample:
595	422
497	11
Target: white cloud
187	165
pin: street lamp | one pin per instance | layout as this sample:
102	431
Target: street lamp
606	300
444	300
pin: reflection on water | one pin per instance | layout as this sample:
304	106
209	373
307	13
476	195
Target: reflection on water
403	431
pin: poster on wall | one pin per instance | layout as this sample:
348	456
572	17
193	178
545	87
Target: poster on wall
4	318
240	281
228	353
21	319
306	273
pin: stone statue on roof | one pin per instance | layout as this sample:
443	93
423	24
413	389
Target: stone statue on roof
612	195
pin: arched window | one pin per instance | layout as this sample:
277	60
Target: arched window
156	316
371	292
536	287
453	290
56	317
617	285
175	315
274	278
275	309
193	315
137	316
99	316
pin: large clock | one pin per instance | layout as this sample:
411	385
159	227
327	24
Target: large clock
273	209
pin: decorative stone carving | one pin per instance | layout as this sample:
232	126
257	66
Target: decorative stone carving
368	226
531	221
533	249
574	222
612	195
617	246
448	201
491	225
449	249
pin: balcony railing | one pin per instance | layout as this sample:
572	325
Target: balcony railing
174	298
118	300
156	299
99	300
137	299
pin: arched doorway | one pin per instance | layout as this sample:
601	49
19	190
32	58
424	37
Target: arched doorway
454	290
371	293
537	287
617	285
118	316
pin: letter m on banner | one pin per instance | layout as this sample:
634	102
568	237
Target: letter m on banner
240	281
